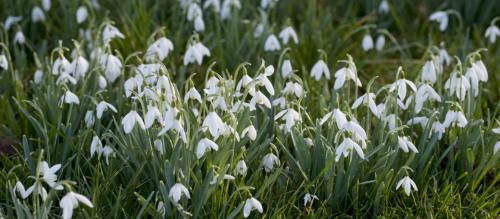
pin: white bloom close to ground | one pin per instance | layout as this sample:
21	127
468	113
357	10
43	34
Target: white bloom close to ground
71	201
407	184
250	205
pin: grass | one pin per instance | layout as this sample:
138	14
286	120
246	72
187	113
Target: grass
456	176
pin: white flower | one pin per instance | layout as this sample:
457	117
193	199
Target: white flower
20	188
444	57
480	70
95	145
496	148
112	67
102	107
496	130
10	20
195	53
102	82
438	129
226	177
46	4
81	14
192	94
89	119
338	116
70	201
308	198
458	85
204	145
293	88
290	116
442	18
130	120
215	125
49	174
250	131
70	98
259	98
288	32
429	72
269	161
346	147
159	49
4	64
37	15
37	77
492	32
286	68
259	29
422	120
366	99
152	115
241	168
272	44
380	43
110	32
344	74
383	7
407	184
367	43
455	117
473	80
424	93
400	85
158	144
319	69
19	38
354	128
226	8
177	191
79	67
250	205
406	145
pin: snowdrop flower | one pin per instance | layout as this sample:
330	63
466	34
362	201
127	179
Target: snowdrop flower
11	20
159	49
37	77
70	201
46	5
199	24
195	53
130	120
250	131
4	64
290	116
471	75
204	145
425	92
226	8
308	198
112	67
193	12
496	130
49	174
496	148
401	86
458	85
95	144
366	99
367	43
346	147
110	32
152	115
226	177
344	74
444	57
380	43
293	88
79	67
89	119
177	191
102	107
259	29
272	44
480	70
429	72
402	105
192	94
406	145
158	144
37	15
319	69
338	116
356	130
215	125
20	188
491	33
241	168
288	32
383	7
250	205
259	98
407	184
102	83
438	129
65	78
286	69
81	14
442	18
422	120
70	98
455	117
269	161
19	38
